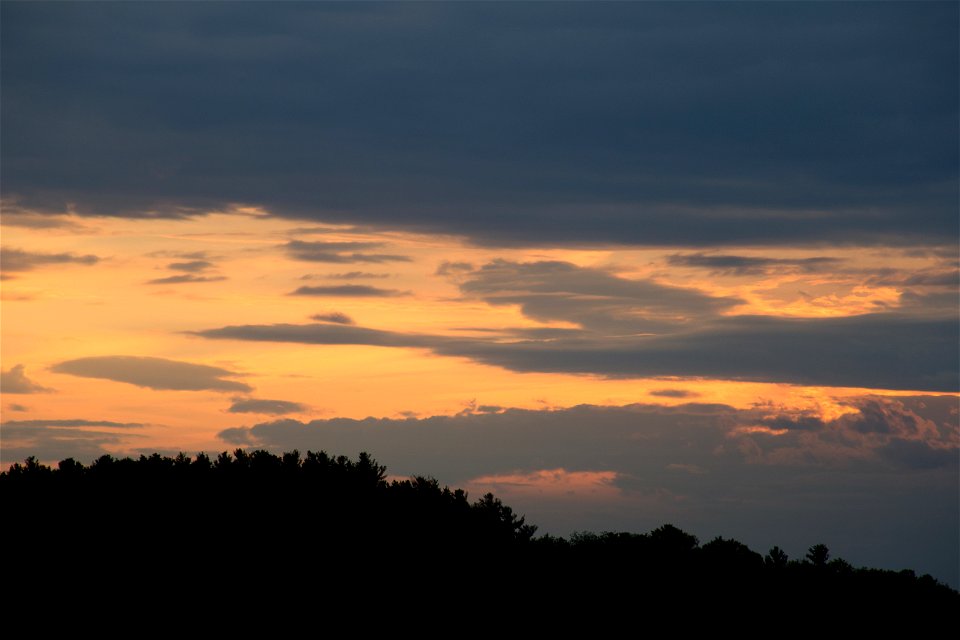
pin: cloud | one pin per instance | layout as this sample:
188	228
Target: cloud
18	260
334	316
673	393
747	265
337	252
268	407
350	275
447	268
13	406
627	439
594	299
54	440
936	277
701	466
153	373
631	123
316	334
349	290
16	381
32	220
68	424
184	255
883	351
185	278
193	266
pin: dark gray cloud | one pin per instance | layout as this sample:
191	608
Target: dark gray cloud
932	277
883	351
348	291
673	393
349	275
594	299
193	266
860	351
12	217
756	486
13	406
681	124
333	316
317	334
748	265
153	373
17	260
266	407
16	381
339	252
186	278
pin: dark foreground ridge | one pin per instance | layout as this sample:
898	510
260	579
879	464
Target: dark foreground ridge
252	522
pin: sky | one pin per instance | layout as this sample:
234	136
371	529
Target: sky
622	264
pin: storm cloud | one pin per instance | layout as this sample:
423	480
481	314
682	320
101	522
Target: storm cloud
680	124
153	373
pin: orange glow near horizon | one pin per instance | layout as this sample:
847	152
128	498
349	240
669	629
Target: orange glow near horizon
63	311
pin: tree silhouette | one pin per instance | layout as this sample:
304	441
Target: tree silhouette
338	519
818	554
776	558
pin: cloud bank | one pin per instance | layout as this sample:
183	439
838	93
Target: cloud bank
757	474
625	123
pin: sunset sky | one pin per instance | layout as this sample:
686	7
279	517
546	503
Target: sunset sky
622	264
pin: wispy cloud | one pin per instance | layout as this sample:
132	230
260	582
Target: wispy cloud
186	278
752	265
19	260
339	252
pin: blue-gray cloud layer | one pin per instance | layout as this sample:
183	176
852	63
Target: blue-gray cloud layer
891	461
645	123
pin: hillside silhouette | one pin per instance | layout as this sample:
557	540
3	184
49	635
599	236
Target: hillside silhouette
255	522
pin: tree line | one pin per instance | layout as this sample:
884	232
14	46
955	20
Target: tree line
253	514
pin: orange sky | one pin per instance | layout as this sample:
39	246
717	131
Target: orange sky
59	312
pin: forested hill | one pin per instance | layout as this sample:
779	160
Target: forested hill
251	515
